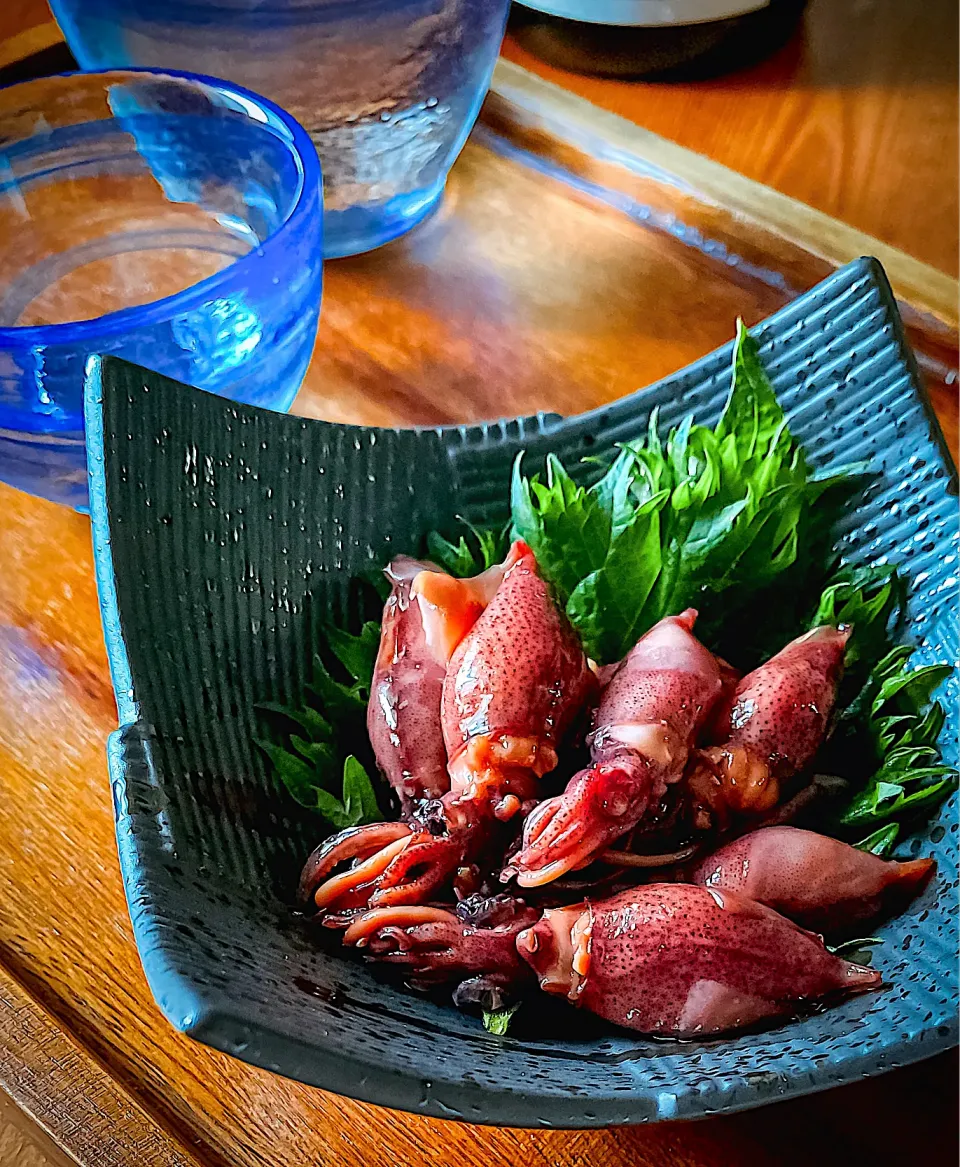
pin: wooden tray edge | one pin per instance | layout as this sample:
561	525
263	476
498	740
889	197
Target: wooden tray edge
72	1098
920	285
29	41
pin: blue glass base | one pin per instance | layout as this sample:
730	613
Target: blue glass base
50	465
207	267
364	228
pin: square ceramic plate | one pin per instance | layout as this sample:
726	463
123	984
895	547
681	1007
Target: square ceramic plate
224	534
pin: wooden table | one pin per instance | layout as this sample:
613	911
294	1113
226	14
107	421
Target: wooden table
856	116
88	1069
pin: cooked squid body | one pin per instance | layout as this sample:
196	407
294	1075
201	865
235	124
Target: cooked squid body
821	883
425	617
512	687
684	961
767	730
649	715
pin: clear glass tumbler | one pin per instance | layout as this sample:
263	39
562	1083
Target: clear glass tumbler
173	220
388	89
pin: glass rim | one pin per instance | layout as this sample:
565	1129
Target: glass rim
155	311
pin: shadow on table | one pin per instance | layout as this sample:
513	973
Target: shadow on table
908	1116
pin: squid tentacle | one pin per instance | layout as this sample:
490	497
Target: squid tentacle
646	724
511	689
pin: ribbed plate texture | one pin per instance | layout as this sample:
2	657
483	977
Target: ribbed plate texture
224	534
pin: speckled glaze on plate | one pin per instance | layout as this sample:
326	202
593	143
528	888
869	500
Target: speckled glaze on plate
223	534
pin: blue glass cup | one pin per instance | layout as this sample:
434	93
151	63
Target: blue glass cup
388	89
171	219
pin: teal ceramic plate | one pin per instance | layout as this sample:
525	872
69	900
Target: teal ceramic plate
224	534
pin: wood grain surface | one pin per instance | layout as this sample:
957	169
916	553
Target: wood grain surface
123	1089
89	1070
23	1143
857	116
26	27
577	257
